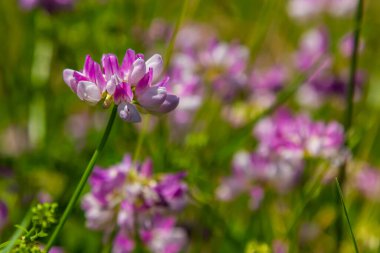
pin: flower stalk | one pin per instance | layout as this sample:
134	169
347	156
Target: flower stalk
74	198
349	111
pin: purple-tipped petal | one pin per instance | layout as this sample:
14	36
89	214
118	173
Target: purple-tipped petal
100	80
128	60
89	68
110	65
88	91
144	82
146	168
156	63
137	71
123	93
152	97
128	112
170	103
70	80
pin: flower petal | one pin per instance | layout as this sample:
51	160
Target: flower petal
70	80
170	103
128	60
110	65
156	63
137	71
128	112
152	97
89	91
123	92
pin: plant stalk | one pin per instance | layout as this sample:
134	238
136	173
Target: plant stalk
74	198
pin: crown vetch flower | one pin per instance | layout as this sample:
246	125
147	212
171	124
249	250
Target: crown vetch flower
285	141
128	194
135	85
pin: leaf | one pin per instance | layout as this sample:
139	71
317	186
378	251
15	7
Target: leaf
346	214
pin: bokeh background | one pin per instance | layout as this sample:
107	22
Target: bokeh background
47	135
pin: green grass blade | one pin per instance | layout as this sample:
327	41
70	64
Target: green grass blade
346	214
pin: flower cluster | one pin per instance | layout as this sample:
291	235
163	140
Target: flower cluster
135	85
285	141
201	62
305	9
266	83
126	198
326	82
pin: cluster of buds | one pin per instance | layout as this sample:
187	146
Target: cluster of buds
128	199
134	86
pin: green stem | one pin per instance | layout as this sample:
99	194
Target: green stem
178	25
83	180
24	224
346	214
349	110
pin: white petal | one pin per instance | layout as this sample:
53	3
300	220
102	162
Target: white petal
138	71
156	63
88	91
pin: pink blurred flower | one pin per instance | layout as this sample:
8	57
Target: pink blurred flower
127	195
368	183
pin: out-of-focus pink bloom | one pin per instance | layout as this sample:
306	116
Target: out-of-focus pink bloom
56	250
314	44
284	142
347	45
135	85
257	195
122	243
266	84
3	215
306	9
164	236
342	7
327	86
224	65
296	137
49	5
194	37
279	246
368	183
128	194
269	81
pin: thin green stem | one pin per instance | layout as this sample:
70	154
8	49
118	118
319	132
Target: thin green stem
346	214
140	140
353	67
74	198
24	224
178	25
349	109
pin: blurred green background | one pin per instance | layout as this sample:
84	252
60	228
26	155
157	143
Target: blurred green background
37	108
